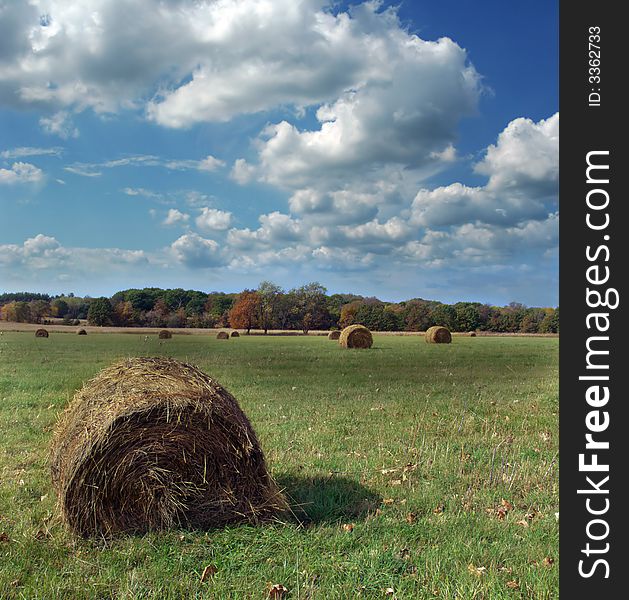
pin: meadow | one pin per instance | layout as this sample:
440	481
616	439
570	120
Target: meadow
414	471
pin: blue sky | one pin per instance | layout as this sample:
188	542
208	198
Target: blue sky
406	150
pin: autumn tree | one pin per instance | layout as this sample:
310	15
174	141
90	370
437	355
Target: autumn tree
244	313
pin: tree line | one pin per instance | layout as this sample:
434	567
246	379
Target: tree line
268	307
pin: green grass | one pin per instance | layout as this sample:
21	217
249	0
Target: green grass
415	445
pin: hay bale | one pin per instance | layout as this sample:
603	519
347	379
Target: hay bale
41	333
222	335
235	334
81	332
473	334
334	335
438	335
152	443
356	336
164	334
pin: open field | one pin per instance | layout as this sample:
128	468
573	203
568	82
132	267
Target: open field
429	469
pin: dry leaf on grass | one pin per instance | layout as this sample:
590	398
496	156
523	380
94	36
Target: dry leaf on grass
4	537
389	592
348	527
439	509
514	585
277	591
388	501
410	518
523	523
477	571
548	561
208	572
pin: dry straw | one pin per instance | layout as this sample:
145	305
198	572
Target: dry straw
235	334
334	335
438	335
356	336
41	333
152	443
222	335
164	334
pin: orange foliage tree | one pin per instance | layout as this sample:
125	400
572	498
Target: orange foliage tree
244	313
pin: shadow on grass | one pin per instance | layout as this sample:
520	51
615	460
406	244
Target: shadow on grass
327	499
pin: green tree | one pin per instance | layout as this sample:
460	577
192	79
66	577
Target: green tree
270	296
59	308
100	312
311	307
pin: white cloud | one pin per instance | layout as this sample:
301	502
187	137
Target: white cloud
20	172
212	219
30	151
242	172
210	163
59	124
195	251
176	217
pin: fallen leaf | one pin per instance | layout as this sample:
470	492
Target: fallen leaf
389	592
349	527
548	561
501	513
514	585
410	518
388	501
523	523
4	537
277	591
208	572
405	553
506	504
439	509
477	571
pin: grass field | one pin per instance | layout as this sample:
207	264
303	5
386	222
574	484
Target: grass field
428	469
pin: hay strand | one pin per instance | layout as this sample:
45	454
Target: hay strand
152	443
438	335
356	336
41	333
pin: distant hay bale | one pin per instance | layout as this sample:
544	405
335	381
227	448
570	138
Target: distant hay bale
41	333
81	332
334	335
473	334
152	443
222	335
164	334
356	336
438	335
235	334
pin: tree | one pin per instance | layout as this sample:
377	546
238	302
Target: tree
270	295
39	309
59	308
310	304
100	312
244	313
348	313
124	314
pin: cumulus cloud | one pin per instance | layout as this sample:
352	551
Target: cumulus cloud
195	251
210	163
242	172
176	217
20	172
43	252
212	219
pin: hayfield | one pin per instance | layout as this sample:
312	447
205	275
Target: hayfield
429	470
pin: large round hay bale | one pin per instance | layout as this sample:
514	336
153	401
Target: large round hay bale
41	333
356	336
235	334
334	335
222	335
473	334
81	332
152	443
438	335
164	334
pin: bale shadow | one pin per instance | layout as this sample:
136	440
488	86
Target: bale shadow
322	499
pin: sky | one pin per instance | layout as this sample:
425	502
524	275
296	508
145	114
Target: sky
397	150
